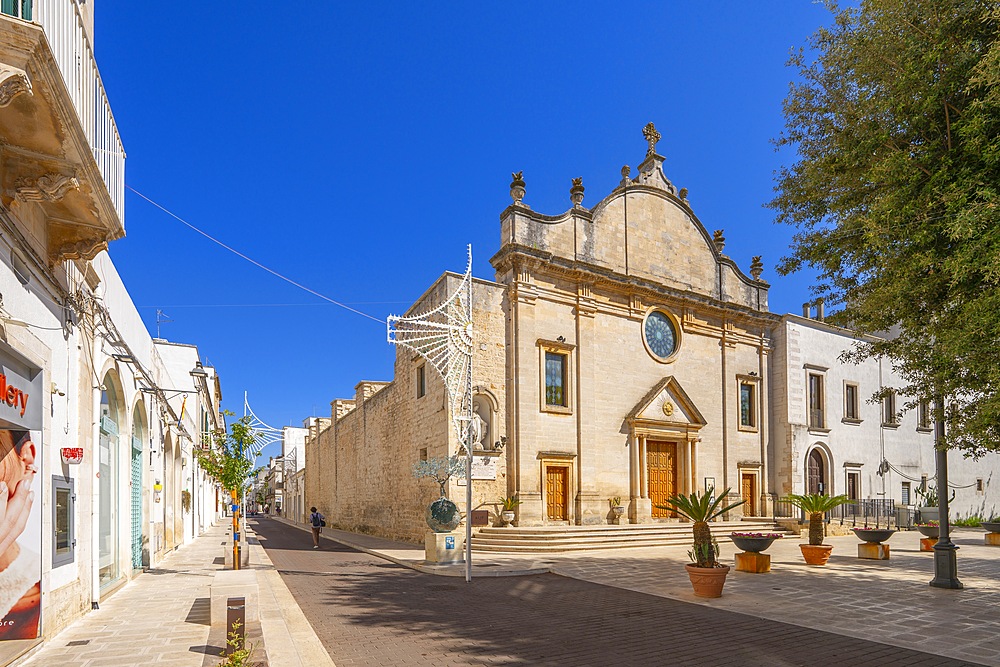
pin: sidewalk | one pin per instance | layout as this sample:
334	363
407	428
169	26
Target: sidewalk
162	618
885	601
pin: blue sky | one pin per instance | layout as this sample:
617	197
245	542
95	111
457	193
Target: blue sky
357	148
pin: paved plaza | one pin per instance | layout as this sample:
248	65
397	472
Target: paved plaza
369	601
623	607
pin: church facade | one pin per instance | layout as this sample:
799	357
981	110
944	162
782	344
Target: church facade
620	353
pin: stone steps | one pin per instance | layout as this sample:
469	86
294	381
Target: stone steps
555	539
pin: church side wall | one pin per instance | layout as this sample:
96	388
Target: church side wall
367	455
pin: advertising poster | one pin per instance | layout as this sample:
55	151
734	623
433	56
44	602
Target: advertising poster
20	537
20	506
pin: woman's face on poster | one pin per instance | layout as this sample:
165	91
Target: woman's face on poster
18	458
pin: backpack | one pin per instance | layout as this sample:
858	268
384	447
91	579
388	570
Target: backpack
317	520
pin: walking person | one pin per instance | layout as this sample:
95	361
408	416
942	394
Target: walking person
317	521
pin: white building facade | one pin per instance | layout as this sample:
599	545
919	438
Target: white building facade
830	435
97	420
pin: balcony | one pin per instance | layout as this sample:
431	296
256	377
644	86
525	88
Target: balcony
63	166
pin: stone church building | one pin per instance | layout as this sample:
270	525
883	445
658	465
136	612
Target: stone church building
619	353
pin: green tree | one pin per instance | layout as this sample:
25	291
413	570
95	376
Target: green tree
895	118
226	460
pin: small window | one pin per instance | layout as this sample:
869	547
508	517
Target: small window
904	494
423	453
63	528
748	405
555	380
421	380
852	410
979	486
889	417
816	403
924	415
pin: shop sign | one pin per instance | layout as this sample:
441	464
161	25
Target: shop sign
108	425
72	455
20	394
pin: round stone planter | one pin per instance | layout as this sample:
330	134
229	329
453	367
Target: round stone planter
507	516
930	531
816	554
752	545
991	526
707	582
874	535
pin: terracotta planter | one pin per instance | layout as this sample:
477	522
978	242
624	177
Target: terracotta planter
707	582
816	554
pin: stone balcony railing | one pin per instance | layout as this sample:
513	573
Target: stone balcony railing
64	29
63	155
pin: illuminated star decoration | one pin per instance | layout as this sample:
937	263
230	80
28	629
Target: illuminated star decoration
443	336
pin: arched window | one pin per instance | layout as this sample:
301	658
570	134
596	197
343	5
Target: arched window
111	419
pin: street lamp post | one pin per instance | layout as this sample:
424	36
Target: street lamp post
945	558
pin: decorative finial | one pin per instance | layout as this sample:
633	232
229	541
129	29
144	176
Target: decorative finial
719	240
652	136
576	191
756	267
517	187
683	194
626	170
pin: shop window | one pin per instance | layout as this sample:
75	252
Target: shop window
63	522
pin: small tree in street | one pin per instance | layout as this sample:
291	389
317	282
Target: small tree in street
225	460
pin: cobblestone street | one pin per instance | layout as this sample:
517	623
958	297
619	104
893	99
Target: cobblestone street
368	611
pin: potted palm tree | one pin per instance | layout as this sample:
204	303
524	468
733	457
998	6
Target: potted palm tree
707	575
815	505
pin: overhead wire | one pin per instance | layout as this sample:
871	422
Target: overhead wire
253	261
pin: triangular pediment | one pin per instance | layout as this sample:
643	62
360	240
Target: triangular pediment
667	404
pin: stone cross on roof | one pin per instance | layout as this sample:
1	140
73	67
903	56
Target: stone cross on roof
652	136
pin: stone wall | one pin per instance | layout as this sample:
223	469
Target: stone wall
360	466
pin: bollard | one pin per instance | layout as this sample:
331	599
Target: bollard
236	612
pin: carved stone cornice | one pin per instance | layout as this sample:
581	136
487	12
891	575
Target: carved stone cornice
50	187
85	250
520	258
13	82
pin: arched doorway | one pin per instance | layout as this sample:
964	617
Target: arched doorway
112	412
138	438
816	472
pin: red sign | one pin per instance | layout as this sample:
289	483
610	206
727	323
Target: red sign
72	454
